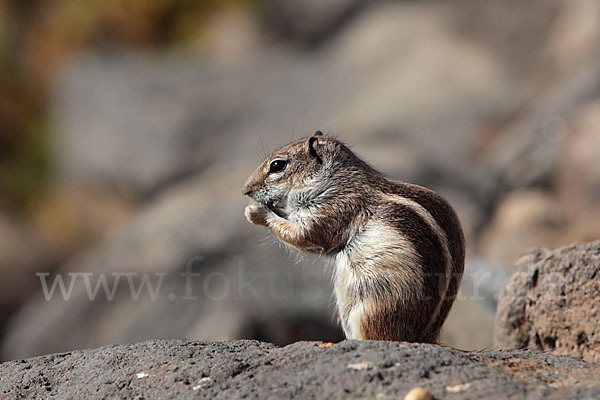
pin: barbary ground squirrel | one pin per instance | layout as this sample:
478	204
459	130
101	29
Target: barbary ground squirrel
398	248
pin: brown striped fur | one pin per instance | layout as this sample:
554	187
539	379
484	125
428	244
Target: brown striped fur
398	248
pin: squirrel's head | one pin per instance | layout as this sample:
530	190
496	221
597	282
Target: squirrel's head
292	167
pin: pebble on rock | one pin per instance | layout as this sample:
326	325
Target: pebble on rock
418	393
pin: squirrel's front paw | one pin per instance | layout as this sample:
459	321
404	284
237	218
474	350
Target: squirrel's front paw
256	213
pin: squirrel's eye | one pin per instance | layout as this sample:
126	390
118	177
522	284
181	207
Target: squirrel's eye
277	166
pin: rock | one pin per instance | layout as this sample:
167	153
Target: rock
418	393
24	252
72	218
197	109
512	37
577	174
552	303
186	369
307	21
524	219
239	289
469	326
395	110
525	149
232	36
576	33
567	208
475	306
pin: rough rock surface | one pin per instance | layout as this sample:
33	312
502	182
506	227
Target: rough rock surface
248	369
552	302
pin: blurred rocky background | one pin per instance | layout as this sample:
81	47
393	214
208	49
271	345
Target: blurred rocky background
128	128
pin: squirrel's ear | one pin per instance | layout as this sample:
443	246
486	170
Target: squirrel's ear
313	148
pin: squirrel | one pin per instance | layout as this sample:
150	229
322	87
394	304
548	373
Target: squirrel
398	248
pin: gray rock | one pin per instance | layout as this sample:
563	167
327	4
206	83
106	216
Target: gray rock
307	21
578	170
242	289
470	324
525	153
483	281
24	252
184	369
552	302
414	105
521	221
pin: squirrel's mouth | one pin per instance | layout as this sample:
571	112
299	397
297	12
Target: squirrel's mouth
276	208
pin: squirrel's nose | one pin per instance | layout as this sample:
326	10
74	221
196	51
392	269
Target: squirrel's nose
248	189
